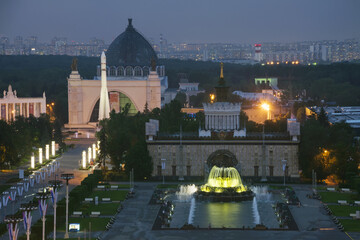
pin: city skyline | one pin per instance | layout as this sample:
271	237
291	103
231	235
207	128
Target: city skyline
192	22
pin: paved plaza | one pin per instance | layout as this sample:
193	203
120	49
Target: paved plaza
69	163
136	219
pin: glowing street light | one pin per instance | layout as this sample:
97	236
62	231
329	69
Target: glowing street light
53	148
32	161
94	151
89	155
212	98
47	151
266	107
84	159
40	156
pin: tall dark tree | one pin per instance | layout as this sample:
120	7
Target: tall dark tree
322	118
138	158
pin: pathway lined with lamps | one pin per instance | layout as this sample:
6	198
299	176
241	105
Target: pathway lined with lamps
24	192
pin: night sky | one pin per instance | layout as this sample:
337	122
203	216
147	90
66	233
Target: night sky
202	21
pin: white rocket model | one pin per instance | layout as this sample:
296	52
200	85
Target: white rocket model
104	107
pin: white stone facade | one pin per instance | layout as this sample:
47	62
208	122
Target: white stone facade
12	106
222	116
83	95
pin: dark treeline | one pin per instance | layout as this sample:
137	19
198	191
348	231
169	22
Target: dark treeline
22	137
31	75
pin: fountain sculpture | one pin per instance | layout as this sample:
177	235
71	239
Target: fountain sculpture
224	185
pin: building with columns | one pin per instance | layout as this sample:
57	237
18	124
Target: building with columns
133	79
260	156
222	116
12	106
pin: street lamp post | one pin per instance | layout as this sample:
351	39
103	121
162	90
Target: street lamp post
53	148
284	167
163	165
47	150
266	107
27	209
43	196
67	177
13	228
55	184
89	155
40	155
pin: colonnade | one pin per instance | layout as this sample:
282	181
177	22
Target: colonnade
222	122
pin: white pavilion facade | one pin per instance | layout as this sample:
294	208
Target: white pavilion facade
12	106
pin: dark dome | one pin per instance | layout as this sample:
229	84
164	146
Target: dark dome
130	49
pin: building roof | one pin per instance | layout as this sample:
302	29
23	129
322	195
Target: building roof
130	48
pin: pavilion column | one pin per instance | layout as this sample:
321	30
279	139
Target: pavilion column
206	122
28	109
6	111
212	121
228	122
237	121
216	122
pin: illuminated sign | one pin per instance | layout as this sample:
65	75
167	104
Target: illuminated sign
74	227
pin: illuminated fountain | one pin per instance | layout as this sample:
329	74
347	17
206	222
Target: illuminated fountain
224	185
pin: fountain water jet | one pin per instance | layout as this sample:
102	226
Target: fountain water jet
192	211
186	192
256	212
224	184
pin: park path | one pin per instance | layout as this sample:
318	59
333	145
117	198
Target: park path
135	221
311	215
69	163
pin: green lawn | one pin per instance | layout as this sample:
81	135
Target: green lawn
350	225
4	188
97	224
122	185
118	195
343	211
108	209
333	197
165	186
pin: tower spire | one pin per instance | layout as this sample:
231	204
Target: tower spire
221	89
222	70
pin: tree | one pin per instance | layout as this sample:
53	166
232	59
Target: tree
322	118
138	158
313	140
181	98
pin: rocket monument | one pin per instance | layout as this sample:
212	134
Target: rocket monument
104	107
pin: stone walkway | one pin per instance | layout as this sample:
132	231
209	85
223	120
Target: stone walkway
311	215
136	220
69	163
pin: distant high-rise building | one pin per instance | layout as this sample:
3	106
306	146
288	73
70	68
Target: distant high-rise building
163	47
324	53
258	54
18	41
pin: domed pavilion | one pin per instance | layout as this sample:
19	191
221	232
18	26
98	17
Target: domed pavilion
133	78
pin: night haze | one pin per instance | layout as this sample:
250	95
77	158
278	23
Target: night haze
198	21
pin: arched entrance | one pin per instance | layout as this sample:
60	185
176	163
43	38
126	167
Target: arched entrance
118	101
222	158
